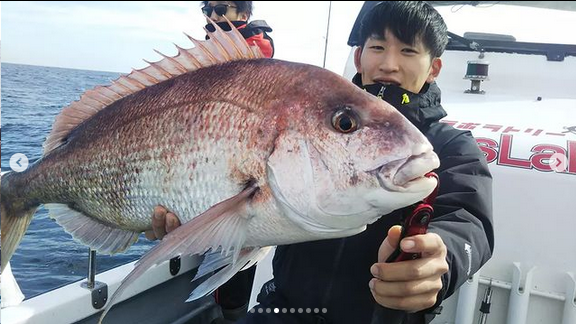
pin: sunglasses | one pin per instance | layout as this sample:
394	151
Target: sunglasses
219	9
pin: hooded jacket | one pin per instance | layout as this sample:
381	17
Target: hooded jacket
255	33
332	276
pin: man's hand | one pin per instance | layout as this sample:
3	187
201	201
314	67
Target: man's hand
409	285
163	222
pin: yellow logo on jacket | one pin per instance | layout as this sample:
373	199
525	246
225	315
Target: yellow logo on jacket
405	99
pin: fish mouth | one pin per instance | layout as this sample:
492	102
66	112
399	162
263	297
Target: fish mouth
407	174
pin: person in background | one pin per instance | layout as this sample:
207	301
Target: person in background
239	12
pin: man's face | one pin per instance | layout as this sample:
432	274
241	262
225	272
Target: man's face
390	61
229	7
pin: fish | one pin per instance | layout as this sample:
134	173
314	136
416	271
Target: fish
248	152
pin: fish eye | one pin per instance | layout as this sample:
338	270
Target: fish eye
344	121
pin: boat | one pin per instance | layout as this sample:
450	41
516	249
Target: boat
518	100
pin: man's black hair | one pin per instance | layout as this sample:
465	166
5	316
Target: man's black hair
241	7
407	20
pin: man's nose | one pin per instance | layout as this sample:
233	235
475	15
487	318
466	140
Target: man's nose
389	62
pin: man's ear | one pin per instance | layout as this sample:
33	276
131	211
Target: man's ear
357	55
434	69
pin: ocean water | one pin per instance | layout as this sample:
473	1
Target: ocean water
32	96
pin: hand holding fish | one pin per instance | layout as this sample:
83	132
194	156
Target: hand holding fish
163	222
409	285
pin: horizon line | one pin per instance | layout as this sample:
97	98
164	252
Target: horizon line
61	67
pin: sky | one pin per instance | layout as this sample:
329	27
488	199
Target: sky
117	36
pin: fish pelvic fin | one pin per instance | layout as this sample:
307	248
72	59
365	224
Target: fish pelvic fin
223	46
221	228
16	214
216	260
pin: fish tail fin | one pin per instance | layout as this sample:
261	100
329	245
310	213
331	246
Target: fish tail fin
16	214
10	291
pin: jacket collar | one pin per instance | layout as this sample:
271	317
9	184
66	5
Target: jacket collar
421	109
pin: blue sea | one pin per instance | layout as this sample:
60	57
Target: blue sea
32	96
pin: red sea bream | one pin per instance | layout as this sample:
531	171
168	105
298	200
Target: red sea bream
248	152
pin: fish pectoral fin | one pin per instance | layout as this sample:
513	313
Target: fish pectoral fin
98	236
216	260
221	228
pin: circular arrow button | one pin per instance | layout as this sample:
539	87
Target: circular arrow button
558	162
19	162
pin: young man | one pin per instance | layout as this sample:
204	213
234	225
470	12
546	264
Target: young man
239	12
347	280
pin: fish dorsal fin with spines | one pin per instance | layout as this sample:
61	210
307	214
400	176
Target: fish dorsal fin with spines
223	46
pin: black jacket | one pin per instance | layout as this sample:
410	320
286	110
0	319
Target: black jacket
333	275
